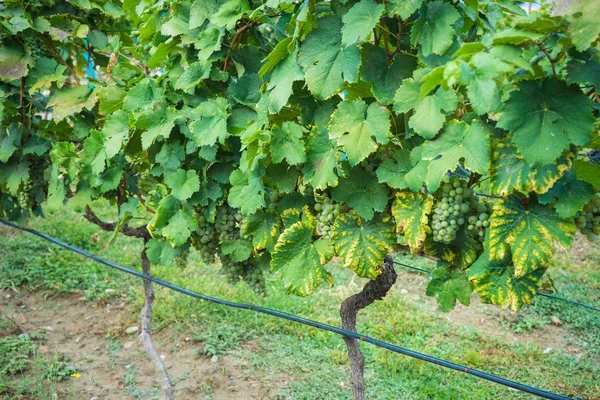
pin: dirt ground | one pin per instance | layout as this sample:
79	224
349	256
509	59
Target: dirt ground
113	364
487	319
95	339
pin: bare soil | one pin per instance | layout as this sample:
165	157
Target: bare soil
81	332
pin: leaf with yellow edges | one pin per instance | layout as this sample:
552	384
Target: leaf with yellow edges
528	233
410	210
362	244
298	260
510	172
495	282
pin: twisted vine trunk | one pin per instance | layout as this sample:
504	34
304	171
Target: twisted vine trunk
159	365
373	290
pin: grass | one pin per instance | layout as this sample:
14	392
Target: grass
314	363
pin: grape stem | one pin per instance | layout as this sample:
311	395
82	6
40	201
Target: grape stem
373	290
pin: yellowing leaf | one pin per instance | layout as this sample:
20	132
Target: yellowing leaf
411	210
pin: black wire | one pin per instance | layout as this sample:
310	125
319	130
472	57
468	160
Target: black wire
290	317
550	296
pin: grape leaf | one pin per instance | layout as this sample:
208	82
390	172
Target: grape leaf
587	172
528	233
282	79
448	287
326	64
183	184
411	210
393	169
403	8
462	251
585	22
193	75
321	163
509	172
45	72
13	173
458	141
433	32
70	101
362	192
428	118
157	122
239	250
208	122
14	61
247	192
297	260
115	132
9	142
264	227
360	20
385	79
571	195
174	221
287	144
246	90
362	245
143	95
355	125
496	283
482	89
160	252
229	12
545	118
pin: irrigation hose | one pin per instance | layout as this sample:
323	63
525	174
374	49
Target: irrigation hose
294	318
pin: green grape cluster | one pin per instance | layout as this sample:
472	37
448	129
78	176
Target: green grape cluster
368	165
479	220
24	197
451	209
245	270
227	223
182	260
588	220
206	240
458	206
327	212
34	46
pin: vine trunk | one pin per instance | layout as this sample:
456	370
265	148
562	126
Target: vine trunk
373	290
165	381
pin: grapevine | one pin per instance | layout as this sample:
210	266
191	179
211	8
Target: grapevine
325	130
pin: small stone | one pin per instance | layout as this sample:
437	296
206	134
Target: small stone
214	359
404	291
187	339
163	357
131	329
8	296
255	385
78	340
556	321
95	398
128	344
548	350
48	328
